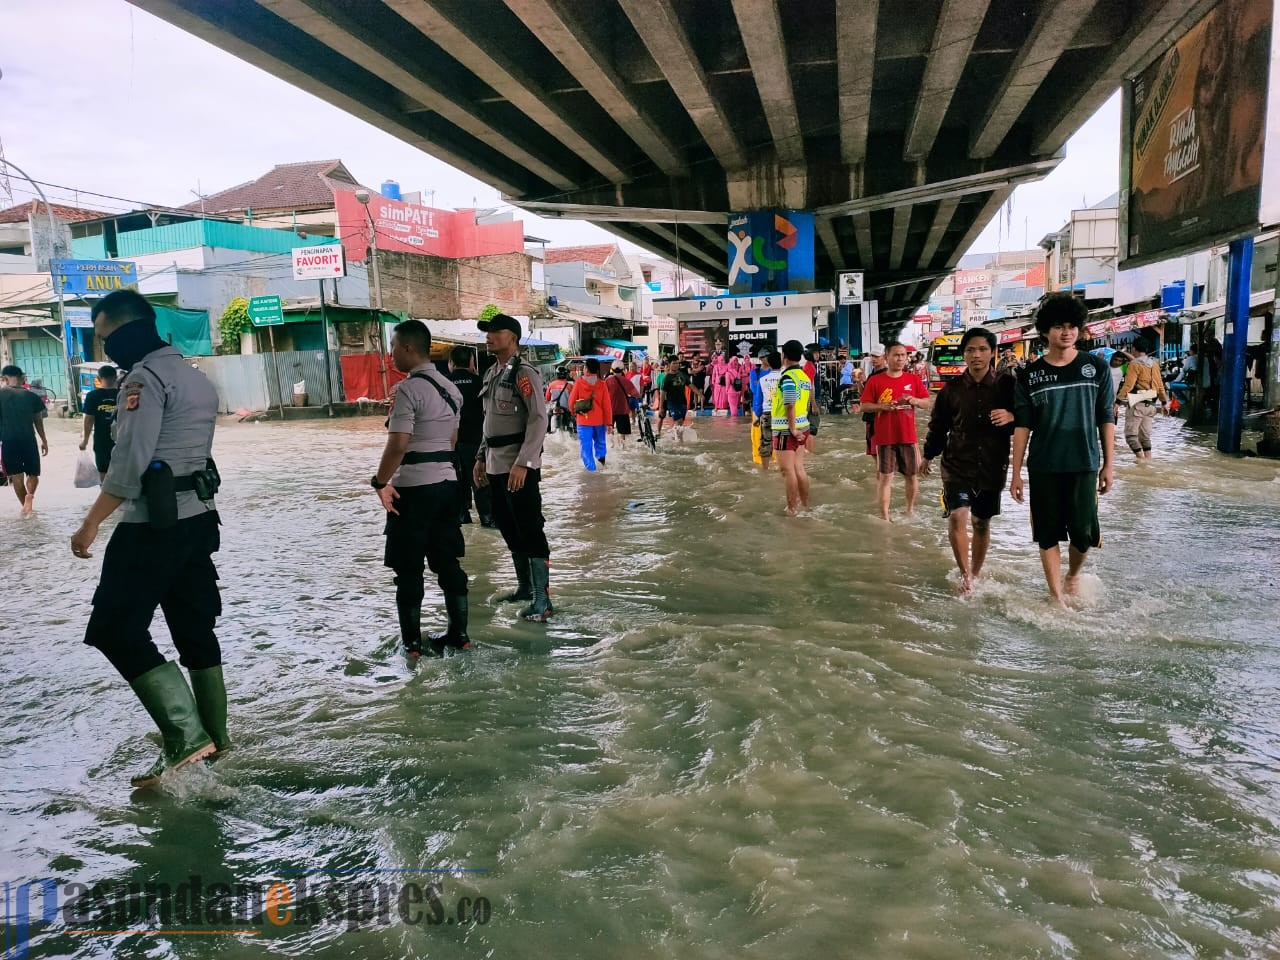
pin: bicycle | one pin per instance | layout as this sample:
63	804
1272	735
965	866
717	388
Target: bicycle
645	429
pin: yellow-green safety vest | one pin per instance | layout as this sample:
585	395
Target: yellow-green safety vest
805	388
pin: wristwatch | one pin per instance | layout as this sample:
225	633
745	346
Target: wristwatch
373	482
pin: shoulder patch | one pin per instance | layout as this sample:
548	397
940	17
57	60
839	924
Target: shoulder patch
1088	370
526	386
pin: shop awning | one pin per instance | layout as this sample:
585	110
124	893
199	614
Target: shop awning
573	316
1010	332
624	345
1216	309
1130	321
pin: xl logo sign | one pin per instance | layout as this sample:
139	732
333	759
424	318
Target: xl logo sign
770	250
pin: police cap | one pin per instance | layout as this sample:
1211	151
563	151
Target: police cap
500	321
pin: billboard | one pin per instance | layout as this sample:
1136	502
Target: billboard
972	284
1192	160
770	250
413	228
703	337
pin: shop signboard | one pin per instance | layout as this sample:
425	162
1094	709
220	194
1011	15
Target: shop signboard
94	277
319	263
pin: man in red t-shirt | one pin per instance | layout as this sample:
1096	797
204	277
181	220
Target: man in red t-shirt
894	396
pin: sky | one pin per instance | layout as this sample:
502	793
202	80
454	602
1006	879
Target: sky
100	96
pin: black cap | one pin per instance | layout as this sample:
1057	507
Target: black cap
500	321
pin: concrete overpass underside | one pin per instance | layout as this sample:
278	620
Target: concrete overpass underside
903	124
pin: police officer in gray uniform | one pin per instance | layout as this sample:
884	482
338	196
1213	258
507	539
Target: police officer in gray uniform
163	480
510	461
417	482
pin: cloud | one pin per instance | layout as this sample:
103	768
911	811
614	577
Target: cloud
1090	173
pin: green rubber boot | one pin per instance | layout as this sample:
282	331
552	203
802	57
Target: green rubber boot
168	699
211	703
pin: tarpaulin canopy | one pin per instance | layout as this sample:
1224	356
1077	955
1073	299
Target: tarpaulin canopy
187	330
624	345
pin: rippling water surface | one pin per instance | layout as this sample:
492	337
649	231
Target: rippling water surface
742	735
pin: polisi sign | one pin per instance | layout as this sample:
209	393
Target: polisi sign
319	263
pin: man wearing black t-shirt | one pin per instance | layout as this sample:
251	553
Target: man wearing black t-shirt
1063	411
21	419
100	417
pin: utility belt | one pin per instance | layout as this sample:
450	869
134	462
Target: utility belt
427	456
161	488
506	440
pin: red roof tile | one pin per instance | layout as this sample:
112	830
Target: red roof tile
597	253
20	213
286	186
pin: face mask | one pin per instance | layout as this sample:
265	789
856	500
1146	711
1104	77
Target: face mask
130	343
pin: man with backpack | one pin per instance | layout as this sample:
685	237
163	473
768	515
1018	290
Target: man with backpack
590	404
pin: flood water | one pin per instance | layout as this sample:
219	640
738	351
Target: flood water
742	735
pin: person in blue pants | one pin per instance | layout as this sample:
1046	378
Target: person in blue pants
593	410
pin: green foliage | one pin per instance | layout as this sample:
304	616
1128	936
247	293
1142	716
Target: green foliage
233	322
490	311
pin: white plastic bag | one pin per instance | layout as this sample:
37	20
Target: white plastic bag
86	470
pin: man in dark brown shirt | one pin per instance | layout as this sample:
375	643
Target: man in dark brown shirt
971	427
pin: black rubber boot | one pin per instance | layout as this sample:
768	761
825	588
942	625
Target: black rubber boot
211	703
411	629
165	694
455	604
539	610
523	592
464	517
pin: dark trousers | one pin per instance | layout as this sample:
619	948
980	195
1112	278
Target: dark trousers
519	515
425	533
466	471
171	569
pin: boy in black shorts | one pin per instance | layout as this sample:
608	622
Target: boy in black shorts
99	417
675	398
971	424
1063	407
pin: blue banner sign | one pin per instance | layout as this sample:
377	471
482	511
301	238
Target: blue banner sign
94	276
770	250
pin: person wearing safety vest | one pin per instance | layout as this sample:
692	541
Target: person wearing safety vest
790	422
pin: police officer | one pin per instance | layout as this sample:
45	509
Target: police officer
509	461
417	482
462	371
162	479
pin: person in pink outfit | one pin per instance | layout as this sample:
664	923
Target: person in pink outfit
739	374
720	382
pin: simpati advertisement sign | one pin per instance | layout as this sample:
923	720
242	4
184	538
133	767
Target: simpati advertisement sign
413	228
1194	120
319	263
